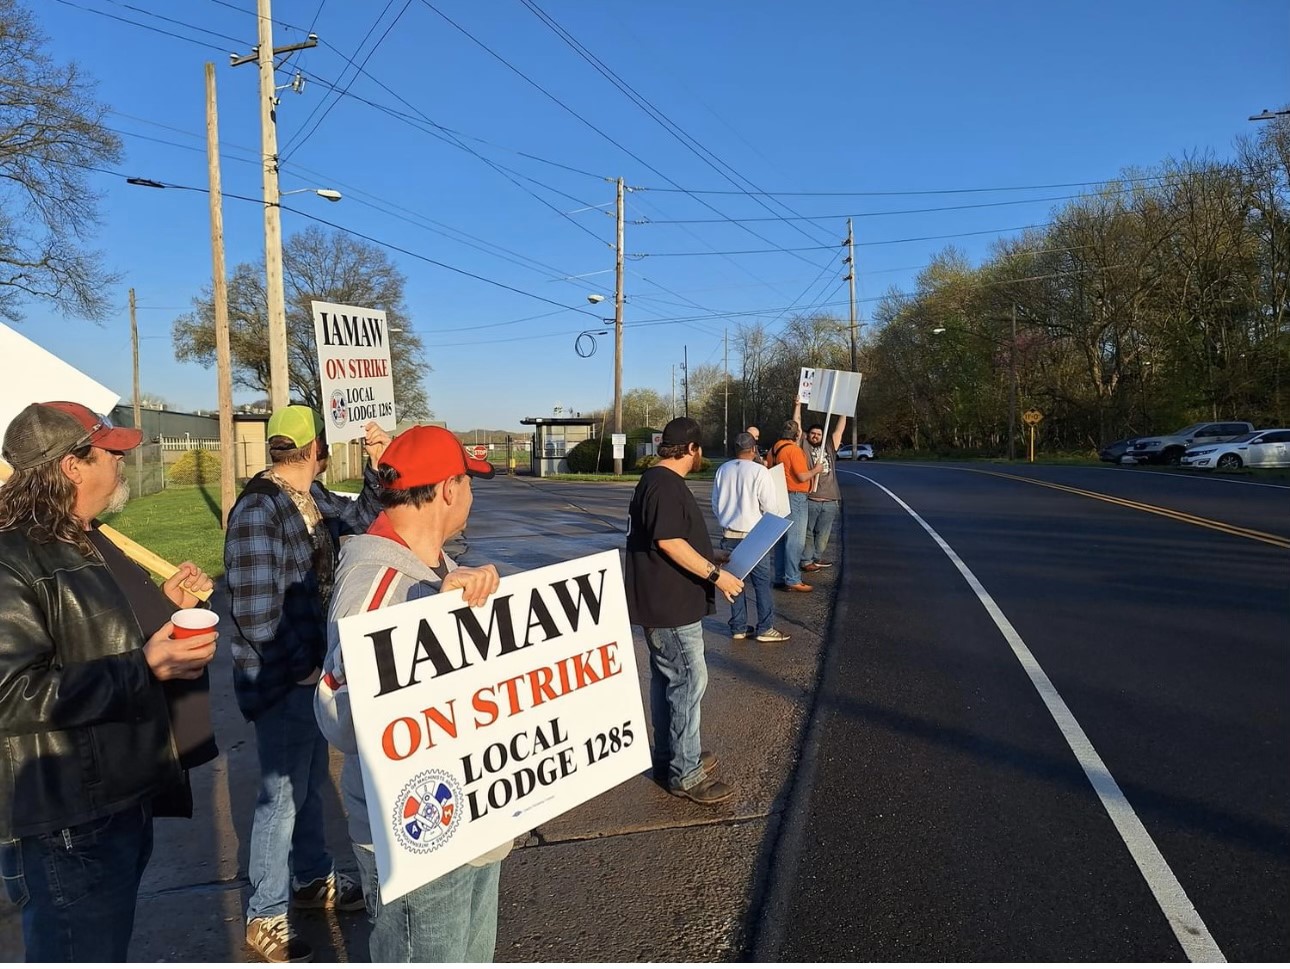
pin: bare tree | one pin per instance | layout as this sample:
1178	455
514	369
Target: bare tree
51	134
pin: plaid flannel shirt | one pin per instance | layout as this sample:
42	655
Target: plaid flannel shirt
279	621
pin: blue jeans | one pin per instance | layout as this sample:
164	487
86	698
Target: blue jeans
820	516
759	580
287	832
451	919
77	887
678	678
788	552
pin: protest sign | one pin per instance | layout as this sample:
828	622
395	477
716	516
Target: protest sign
835	392
806	385
477	725
756	544
354	367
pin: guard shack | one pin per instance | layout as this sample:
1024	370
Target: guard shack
553	438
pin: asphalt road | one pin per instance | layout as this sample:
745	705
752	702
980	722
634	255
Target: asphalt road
943	814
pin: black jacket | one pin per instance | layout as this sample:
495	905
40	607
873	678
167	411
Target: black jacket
83	722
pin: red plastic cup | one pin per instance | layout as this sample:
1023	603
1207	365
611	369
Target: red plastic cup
193	622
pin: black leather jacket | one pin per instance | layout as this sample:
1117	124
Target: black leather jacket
84	723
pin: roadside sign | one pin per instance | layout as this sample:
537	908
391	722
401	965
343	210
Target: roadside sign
619	440
480	451
1032	417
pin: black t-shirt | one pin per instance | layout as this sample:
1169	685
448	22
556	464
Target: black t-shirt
659	592
189	701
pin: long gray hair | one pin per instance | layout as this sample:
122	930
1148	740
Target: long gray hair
42	502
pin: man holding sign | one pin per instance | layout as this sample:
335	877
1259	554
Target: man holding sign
426	498
86	655
280	560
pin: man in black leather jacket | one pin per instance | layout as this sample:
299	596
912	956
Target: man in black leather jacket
87	738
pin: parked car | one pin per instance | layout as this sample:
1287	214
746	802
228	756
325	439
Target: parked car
1116	449
863	452
1169	448
1260	449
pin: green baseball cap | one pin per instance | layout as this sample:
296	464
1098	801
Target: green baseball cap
298	422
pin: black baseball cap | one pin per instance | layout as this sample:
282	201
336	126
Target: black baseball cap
682	430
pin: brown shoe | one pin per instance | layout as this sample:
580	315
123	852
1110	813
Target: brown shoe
800	587
707	791
707	760
811	567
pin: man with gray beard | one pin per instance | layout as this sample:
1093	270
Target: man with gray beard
87	663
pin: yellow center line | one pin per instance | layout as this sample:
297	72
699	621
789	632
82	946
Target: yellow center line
1280	541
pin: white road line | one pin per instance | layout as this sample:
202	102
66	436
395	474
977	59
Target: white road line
1193	476
1183	918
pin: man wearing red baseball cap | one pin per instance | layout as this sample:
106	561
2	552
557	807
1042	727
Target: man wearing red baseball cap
426	496
86	657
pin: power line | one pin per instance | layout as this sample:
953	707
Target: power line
870	215
135	23
296	141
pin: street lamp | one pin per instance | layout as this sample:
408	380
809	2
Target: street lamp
330	194
1270	115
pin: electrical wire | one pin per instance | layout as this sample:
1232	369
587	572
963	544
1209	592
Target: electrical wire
870	215
135	23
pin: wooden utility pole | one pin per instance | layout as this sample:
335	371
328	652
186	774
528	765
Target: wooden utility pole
219	283
685	375
618	328
851	278
138	402
725	427
279	375
673	391
1012	388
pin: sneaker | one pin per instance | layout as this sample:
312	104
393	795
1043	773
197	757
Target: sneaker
810	567
742	634
823	565
772	635
273	939
337	891
707	791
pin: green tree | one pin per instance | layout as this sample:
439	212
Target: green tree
51	132
317	265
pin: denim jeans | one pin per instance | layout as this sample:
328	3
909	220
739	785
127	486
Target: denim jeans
678	677
759	580
451	919
77	887
287	832
820	516
788	551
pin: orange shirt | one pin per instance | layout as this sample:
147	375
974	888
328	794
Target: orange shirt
793	458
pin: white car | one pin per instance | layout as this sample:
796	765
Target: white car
1259	449
863	452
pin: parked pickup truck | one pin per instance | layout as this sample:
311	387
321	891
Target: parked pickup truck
1169	448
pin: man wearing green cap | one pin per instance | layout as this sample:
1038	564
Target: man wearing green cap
280	561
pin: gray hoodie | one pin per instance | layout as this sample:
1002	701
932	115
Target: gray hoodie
365	561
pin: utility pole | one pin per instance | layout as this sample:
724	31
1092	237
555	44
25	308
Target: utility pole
1012	390
674	391
725	427
219	288
279	377
685	376
851	278
618	328
138	403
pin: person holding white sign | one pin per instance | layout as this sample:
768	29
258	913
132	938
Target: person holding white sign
425	498
788	553
670	584
741	493
280	561
824	497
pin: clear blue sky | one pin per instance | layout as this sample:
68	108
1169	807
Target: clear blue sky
807	97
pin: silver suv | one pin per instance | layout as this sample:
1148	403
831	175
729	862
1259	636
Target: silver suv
1169	448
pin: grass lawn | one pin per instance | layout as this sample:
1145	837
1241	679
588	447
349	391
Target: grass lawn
181	524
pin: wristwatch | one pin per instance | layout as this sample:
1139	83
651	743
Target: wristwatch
714	574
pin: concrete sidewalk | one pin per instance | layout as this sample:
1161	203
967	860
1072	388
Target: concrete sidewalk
634	875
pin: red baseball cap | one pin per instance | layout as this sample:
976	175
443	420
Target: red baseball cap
424	455
45	432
